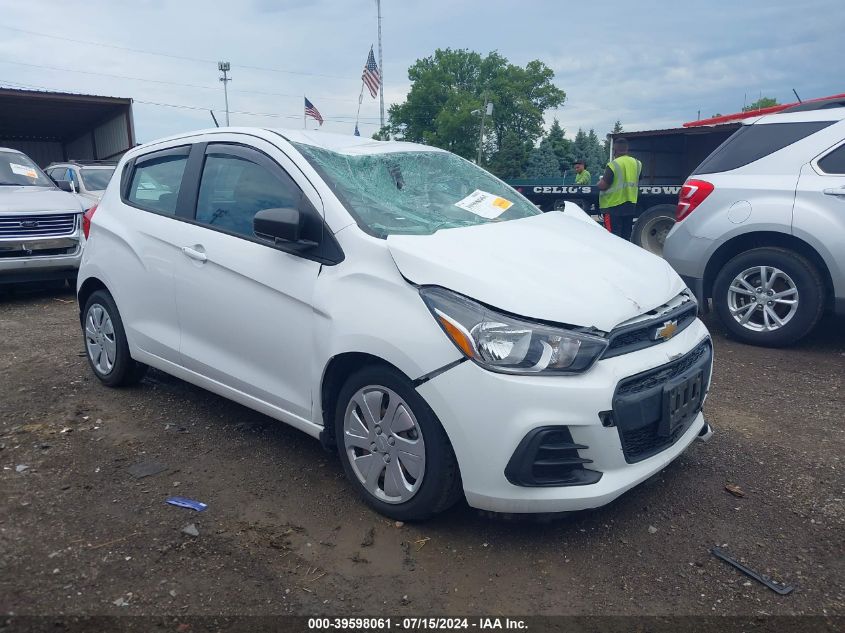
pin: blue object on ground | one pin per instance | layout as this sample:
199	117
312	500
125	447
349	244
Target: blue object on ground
184	502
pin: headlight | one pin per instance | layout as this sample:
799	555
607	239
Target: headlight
508	344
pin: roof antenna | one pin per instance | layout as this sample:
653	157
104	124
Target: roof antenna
796	96
216	124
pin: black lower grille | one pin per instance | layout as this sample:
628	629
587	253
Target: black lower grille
640	409
547	456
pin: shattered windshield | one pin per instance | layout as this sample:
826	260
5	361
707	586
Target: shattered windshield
416	193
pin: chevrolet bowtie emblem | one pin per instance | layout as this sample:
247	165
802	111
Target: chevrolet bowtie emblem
666	331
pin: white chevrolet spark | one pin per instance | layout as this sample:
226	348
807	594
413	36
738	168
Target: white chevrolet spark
404	306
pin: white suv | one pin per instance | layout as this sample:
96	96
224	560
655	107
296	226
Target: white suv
415	313
761	225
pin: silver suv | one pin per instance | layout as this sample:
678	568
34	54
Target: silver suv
87	179
761	226
40	225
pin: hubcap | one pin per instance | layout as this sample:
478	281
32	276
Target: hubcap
654	234
384	444
99	338
763	298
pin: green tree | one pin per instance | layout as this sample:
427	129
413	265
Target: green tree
762	102
542	163
511	157
617	129
448	86
556	141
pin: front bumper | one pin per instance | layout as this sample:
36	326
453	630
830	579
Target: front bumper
486	415
40	259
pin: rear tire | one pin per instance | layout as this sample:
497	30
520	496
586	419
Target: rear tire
653	226
107	349
379	443
792	294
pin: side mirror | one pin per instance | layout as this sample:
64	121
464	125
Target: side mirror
64	185
283	227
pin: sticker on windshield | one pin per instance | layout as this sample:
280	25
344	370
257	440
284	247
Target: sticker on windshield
23	170
484	204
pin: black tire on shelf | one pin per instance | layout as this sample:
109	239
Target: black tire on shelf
651	225
125	371
807	279
441	484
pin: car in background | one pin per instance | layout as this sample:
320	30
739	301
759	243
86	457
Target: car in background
761	226
40	225
88	179
412	311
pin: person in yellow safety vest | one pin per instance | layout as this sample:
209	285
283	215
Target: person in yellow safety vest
582	176
619	188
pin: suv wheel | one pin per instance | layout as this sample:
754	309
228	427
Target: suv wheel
106	345
393	448
769	296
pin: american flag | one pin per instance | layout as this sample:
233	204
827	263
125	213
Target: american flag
313	112
371	75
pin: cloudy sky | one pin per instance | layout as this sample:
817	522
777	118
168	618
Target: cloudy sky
655	66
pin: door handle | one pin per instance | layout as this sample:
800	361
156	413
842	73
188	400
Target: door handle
836	191
195	254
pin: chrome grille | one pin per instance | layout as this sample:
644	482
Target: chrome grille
37	225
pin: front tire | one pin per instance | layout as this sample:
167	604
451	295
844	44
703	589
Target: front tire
771	297
105	341
392	447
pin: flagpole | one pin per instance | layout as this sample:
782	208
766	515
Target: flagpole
360	99
380	65
304	123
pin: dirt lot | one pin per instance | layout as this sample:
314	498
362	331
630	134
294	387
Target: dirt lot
283	532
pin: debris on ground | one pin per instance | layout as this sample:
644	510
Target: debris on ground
775	586
652	529
146	469
191	530
420	543
735	490
21	467
184	502
399	524
369	538
121	602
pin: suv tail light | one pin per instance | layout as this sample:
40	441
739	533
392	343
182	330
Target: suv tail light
86	221
692	194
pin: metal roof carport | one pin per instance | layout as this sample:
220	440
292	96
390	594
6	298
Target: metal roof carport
57	126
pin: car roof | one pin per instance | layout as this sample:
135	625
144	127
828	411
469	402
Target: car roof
9	149
341	143
825	114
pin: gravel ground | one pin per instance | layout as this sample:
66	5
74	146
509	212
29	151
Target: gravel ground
284	533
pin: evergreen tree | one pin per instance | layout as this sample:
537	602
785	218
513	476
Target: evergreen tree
542	163
556	140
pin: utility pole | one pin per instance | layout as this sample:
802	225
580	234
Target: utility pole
224	68
380	65
487	111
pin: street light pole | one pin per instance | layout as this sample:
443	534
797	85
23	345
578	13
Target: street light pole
487	111
380	66
224	67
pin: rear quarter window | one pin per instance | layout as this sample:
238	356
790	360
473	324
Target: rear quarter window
834	162
752	142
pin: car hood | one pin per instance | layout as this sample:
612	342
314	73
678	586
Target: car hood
19	200
550	267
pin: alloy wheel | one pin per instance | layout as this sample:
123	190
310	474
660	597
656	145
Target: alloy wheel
100	339
384	443
763	298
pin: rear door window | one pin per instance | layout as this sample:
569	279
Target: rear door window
753	142
834	162
157	179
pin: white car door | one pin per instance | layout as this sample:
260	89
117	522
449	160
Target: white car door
245	307
143	249
819	215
